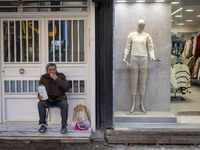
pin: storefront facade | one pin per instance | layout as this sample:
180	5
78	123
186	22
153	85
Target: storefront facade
34	34
164	108
163	84
88	46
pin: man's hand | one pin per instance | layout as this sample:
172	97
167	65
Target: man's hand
53	76
41	97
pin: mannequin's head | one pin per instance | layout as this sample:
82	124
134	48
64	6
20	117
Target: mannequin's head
141	25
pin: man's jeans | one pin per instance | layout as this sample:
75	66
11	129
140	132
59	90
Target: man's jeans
42	105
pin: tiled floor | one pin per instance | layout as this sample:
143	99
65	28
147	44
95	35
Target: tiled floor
191	103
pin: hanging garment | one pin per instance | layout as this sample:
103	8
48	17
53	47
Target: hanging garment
189	60
198	76
180	78
191	65
196	67
198	52
173	59
181	47
197	44
194	44
186	48
190	54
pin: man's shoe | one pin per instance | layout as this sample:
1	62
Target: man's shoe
43	128
63	129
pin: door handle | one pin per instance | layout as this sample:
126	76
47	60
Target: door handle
21	71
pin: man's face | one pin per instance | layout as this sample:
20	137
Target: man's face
51	69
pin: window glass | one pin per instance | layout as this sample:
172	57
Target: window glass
36	41
69	41
6	84
11	41
50	43
18	54
82	86
5	30
63	43
24	44
75	40
19	86
12	86
75	86
30	43
143	85
81	40
57	42
25	86
31	86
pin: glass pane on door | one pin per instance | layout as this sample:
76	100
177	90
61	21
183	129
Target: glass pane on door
66	41
21	41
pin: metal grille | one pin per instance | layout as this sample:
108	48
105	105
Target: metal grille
31	86
43	5
21	86
66	41
21	41
77	86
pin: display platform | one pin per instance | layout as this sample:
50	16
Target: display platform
149	117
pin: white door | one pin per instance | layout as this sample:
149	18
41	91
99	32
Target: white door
21	68
27	45
67	47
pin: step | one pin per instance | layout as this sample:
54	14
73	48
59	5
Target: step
30	132
149	117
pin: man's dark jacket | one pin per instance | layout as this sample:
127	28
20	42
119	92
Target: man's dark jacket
55	89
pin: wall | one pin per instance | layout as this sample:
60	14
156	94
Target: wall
185	29
0	78
198	28
158	25
104	61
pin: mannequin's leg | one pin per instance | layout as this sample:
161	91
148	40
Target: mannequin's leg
134	80
142	81
141	103
133	104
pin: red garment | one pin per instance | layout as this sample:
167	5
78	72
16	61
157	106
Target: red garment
197	45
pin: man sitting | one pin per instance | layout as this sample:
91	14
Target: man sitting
56	86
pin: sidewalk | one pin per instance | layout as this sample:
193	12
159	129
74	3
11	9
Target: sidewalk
26	136
100	145
30	132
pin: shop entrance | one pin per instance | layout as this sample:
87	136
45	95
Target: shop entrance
27	45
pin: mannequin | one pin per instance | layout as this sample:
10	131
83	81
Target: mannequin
141	44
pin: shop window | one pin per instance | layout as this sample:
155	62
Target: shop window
178	46
21	41
185	61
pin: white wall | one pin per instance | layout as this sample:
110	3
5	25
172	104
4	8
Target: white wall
186	29
0	78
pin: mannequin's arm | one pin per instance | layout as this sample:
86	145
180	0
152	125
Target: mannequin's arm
157	59
124	60
151	49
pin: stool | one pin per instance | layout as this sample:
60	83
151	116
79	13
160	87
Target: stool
48	113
